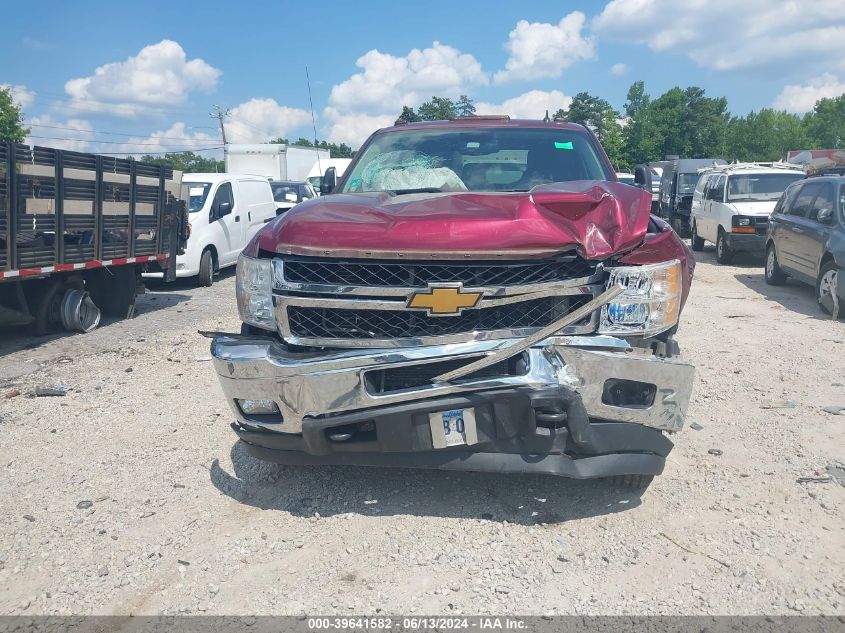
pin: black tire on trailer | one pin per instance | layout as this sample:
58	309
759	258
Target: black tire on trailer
697	242
206	274
114	290
48	304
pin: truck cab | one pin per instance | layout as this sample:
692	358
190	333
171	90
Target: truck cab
677	186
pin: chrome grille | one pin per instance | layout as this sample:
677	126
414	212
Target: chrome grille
362	303
391	324
312	270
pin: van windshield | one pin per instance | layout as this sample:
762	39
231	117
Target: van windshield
760	186
198	192
497	159
686	183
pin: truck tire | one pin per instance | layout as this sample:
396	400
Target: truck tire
47	309
631	482
697	242
724	255
206	274
772	272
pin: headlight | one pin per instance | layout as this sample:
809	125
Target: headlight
650	304
254	290
743	221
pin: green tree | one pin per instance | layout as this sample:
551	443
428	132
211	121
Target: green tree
438	109
465	106
764	136
638	140
11	118
188	162
704	124
826	123
337	150
408	115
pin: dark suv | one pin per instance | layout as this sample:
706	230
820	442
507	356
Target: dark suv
676	190
806	238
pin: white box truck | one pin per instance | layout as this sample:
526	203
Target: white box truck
272	160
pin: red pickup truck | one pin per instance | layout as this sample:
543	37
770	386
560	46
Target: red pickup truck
477	294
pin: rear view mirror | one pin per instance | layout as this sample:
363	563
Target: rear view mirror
329	181
642	177
824	216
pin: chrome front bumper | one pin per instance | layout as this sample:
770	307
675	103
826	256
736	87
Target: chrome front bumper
320	383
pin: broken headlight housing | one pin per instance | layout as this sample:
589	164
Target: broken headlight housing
254	291
650	304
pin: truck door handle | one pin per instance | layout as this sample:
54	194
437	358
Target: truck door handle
249	215
237	218
796	229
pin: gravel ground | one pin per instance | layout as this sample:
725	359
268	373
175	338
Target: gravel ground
129	495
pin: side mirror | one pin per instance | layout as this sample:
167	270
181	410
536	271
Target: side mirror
224	208
329	181
642	177
824	216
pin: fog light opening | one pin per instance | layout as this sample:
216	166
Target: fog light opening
629	394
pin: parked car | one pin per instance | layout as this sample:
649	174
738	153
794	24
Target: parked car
478	294
731	206
225	213
677	185
625	177
289	192
806	238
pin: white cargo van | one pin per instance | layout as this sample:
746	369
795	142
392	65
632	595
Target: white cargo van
225	212
731	206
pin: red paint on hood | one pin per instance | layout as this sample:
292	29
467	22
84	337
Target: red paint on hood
598	218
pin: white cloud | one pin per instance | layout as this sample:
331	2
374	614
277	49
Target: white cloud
388	82
159	75
259	120
539	49
21	95
76	134
530	105
801	98
618	69
729	35
353	128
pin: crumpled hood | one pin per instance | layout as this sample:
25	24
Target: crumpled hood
598	218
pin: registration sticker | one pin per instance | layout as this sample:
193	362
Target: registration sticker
453	428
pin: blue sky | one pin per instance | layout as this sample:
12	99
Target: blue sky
144	76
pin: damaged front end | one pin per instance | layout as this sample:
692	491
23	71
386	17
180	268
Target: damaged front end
556	365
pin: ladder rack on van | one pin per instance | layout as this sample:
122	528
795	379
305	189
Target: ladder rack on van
742	166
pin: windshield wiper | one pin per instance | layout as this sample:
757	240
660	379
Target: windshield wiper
402	192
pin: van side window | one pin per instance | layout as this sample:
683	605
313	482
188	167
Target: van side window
824	200
224	194
716	191
804	200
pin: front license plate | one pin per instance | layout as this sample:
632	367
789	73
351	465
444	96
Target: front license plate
453	428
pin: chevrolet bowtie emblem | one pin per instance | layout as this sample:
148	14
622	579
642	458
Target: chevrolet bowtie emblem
443	301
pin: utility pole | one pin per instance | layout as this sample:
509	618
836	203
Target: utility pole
220	114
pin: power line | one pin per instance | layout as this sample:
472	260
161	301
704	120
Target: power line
89	140
170	151
76	129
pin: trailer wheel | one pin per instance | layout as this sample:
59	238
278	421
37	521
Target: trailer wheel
206	274
48	305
